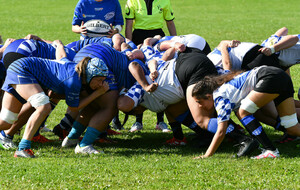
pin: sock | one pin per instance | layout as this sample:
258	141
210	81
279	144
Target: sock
198	130
177	130
139	118
255	129
76	131
90	136
24	144
160	117
3	134
116	120
67	122
278	125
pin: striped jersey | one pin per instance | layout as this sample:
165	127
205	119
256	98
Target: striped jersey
59	76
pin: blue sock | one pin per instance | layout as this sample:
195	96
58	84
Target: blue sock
76	131
213	126
90	136
6	136
24	144
3	134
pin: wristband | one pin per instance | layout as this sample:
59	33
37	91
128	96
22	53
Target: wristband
118	27
272	49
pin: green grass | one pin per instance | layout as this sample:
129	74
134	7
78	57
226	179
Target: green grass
141	160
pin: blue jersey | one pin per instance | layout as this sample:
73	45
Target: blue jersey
77	45
58	76
116	62
107	10
35	48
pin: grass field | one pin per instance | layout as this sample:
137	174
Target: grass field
141	160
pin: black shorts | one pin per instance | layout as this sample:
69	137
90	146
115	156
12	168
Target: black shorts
254	58
11	57
273	80
206	49
192	65
139	35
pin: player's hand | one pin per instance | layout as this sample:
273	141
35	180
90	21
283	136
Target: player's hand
234	43
180	47
200	157
57	43
8	41
32	37
129	54
151	87
82	28
265	50
112	31
153	75
102	89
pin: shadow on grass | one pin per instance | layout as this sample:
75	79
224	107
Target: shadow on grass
153	142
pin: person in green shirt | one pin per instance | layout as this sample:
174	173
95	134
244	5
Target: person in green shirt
147	18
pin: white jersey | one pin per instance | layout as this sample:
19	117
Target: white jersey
236	55
169	90
228	97
191	40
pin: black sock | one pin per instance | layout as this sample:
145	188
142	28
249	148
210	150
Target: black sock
177	130
160	117
255	129
139	118
237	135
278	125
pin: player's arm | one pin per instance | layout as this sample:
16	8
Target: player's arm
60	50
223	47
139	75
87	100
128	29
282	32
217	139
152	65
285	42
165	45
79	29
171	28
34	37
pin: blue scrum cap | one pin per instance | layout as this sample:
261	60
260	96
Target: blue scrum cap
96	67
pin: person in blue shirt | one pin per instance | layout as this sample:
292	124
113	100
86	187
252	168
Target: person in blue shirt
31	76
30	46
96	117
106	10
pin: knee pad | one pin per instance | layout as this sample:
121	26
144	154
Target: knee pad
38	100
289	120
8	116
248	105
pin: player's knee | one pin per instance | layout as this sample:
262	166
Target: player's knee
38	100
248	106
125	104
289	120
